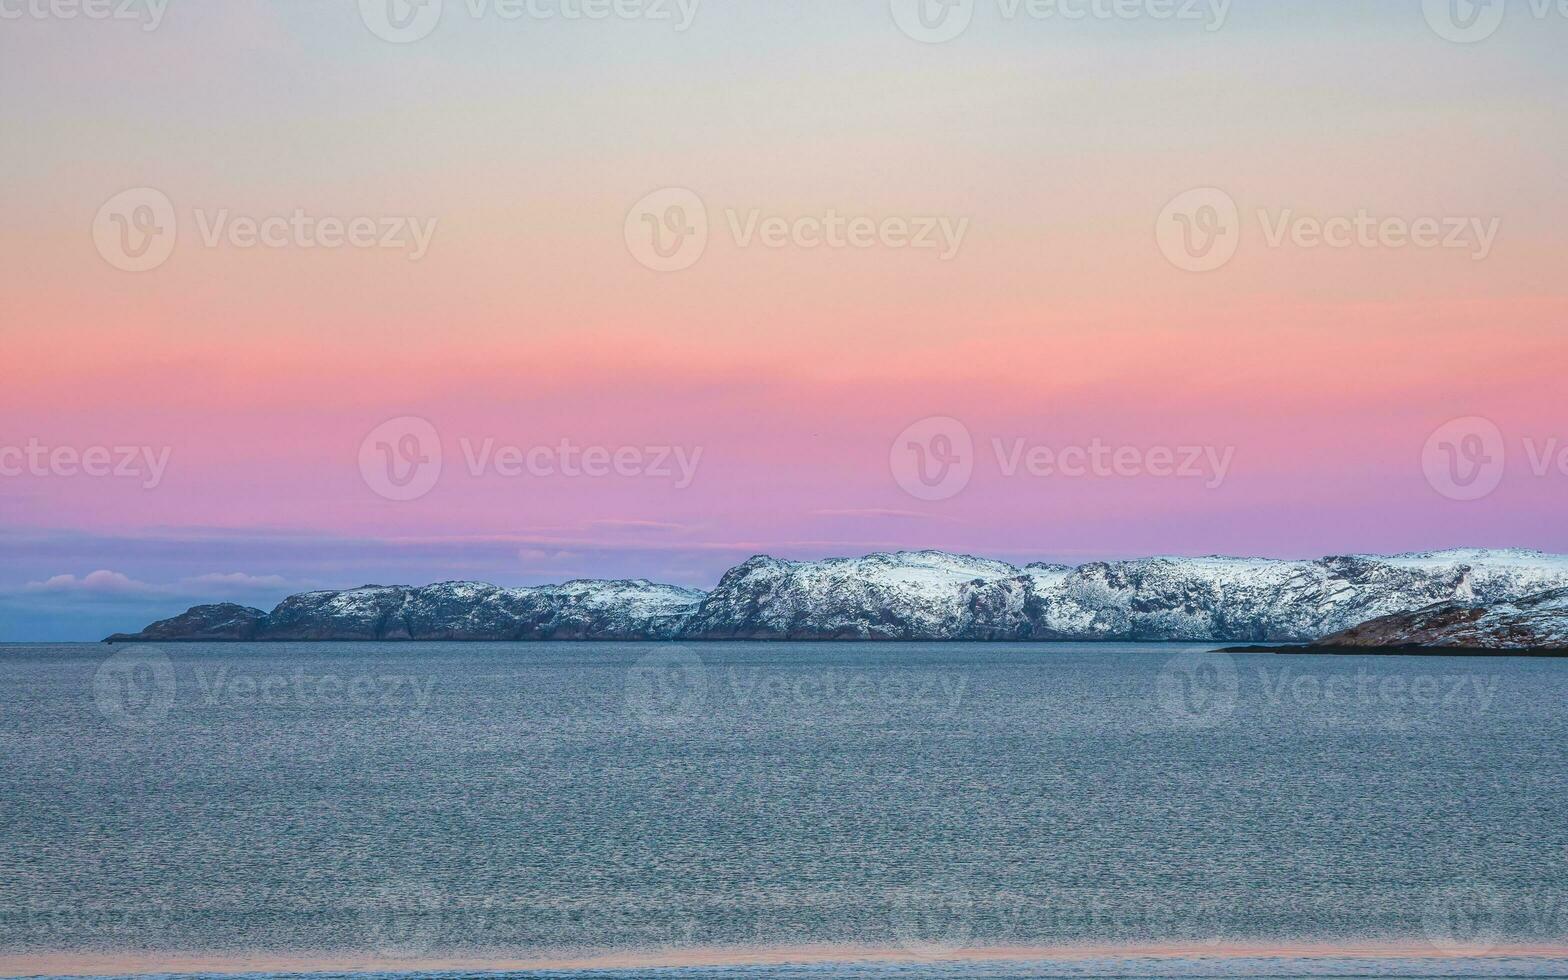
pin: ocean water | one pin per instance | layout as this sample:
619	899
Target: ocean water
653	809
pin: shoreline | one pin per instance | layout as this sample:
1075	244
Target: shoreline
1405	650
84	964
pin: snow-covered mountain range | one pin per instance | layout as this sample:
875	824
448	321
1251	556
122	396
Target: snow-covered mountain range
924	595
1538	623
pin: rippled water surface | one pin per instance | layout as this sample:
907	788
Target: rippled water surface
417	801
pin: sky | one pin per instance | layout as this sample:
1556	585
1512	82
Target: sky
317	294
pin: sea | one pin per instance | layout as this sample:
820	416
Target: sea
779	810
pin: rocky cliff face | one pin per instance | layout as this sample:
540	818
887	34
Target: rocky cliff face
1538	623
930	595
913	596
450	611
225	621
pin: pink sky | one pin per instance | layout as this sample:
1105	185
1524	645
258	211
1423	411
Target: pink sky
1322	372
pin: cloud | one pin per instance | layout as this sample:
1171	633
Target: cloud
238	582
109	584
100	583
544	554
876	512
628	525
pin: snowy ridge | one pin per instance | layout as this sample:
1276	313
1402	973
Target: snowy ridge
906	596
929	595
924	595
478	611
1535	623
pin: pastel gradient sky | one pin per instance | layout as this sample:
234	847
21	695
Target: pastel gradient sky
792	370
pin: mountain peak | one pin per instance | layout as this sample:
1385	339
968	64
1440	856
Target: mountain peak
911	595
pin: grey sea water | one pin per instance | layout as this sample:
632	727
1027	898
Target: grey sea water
409	802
